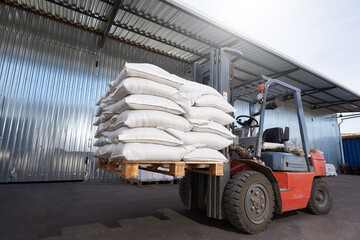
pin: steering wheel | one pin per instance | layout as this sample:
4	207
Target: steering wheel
248	122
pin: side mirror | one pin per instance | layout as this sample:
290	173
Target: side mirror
287	134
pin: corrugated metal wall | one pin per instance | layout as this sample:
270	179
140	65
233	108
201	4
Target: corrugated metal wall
51	75
352	152
322	127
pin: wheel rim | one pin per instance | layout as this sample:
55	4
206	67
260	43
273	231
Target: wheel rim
321	198
256	203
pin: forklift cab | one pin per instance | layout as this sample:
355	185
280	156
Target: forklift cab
274	153
269	146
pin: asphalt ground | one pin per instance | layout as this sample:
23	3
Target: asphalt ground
113	210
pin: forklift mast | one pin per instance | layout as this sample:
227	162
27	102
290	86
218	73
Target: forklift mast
205	191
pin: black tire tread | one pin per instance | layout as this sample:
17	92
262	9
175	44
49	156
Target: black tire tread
232	197
312	206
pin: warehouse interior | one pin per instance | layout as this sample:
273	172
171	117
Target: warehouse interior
57	56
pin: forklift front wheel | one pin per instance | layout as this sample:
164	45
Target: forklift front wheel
320	201
249	201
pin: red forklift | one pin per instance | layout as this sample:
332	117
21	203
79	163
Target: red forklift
263	175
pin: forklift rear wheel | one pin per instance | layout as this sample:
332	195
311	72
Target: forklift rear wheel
249	201
320	201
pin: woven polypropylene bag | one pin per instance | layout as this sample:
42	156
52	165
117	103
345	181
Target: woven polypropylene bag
149	118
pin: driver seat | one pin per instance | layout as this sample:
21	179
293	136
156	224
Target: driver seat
273	135
274	139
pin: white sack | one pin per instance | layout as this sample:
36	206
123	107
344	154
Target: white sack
149	118
148	71
134	85
149	152
103	141
210	140
330	169
99	120
147	135
215	102
143	102
182	100
191	96
211	114
112	134
102	97
102	128
205	154
190	86
99	111
104	151
211	127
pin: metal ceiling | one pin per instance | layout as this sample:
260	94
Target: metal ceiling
172	29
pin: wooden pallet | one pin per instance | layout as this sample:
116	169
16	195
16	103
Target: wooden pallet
140	183
130	169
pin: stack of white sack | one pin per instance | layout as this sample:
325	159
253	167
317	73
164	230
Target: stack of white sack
149	114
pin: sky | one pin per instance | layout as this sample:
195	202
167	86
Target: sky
322	34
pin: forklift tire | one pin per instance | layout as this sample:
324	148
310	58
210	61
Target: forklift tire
249	201
182	190
320	201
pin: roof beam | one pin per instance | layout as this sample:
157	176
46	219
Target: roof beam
257	63
156	38
282	73
164	24
48	15
245	71
331	104
154	51
107	1
109	23
274	75
286	75
304	93
309	92
78	10
70	23
313	91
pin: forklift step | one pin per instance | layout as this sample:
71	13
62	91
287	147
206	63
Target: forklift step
130	169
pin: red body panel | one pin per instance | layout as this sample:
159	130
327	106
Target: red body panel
319	163
295	187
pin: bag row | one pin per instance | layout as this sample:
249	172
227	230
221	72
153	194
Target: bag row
138	78
168	137
161	120
155	152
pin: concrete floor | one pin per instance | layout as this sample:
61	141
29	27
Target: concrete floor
94	210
